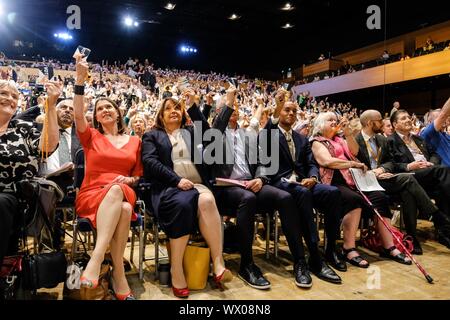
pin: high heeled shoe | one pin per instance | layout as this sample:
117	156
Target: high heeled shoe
87	283
180	293
225	276
122	296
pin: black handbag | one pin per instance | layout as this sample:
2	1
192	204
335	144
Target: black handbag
44	270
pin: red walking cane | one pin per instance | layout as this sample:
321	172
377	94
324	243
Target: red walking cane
427	276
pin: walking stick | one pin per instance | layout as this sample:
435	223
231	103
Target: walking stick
427	276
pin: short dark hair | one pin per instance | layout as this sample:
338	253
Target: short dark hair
120	124
159	121
396	114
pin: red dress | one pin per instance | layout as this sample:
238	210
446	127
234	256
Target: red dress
103	163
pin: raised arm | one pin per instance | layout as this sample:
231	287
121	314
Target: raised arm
82	68
442	118
52	128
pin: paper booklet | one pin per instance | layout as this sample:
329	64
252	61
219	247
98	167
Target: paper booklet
222	182
365	181
68	166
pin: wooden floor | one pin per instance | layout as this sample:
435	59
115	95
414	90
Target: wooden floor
396	281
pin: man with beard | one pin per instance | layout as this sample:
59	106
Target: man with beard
374	152
67	138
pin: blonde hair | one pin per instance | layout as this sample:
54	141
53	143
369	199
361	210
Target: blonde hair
319	123
138	116
9	84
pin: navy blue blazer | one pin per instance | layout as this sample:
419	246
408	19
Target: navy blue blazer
157	157
305	165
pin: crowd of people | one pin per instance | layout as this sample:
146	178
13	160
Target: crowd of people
147	124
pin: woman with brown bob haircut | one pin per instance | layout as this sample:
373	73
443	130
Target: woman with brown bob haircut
180	192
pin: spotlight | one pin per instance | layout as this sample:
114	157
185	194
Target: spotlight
128	21
287	7
63	35
191	50
287	26
170	6
136	24
1	9
234	16
195	50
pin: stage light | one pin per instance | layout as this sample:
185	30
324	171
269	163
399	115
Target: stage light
1	9
234	16
195	50
136	24
128	21
287	26
287	7
170	6
63	35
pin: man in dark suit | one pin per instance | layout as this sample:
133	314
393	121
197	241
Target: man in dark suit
410	153
256	196
298	175
374	153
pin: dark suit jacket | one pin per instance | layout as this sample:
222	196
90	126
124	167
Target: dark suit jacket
384	157
75	143
157	157
305	166
402	156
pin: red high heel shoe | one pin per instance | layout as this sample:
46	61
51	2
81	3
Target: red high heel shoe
225	276
86	283
180	293
126	296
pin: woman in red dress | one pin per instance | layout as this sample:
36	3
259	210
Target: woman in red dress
106	198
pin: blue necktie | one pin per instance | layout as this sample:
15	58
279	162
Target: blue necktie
373	155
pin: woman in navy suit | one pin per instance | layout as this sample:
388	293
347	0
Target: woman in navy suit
180	193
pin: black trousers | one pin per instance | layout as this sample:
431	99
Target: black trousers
325	198
413	197
244	203
436	181
8	217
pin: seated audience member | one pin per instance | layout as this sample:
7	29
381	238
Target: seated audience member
335	157
387	127
180	193
429	45
21	148
385	56
321	57
374	153
435	133
106	198
138	124
298	175
410	153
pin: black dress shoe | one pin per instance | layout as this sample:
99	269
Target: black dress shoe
337	263
417	248
302	275
324	272
443	238
253	276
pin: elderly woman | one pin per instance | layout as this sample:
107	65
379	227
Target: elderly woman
180	193
20	153
106	198
138	124
335	157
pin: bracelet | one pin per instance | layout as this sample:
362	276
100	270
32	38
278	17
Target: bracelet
79	90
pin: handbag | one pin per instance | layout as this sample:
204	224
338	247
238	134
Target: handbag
43	270
196	266
10	271
370	239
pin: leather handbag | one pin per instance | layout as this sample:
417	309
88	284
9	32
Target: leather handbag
196	266
44	270
371	240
